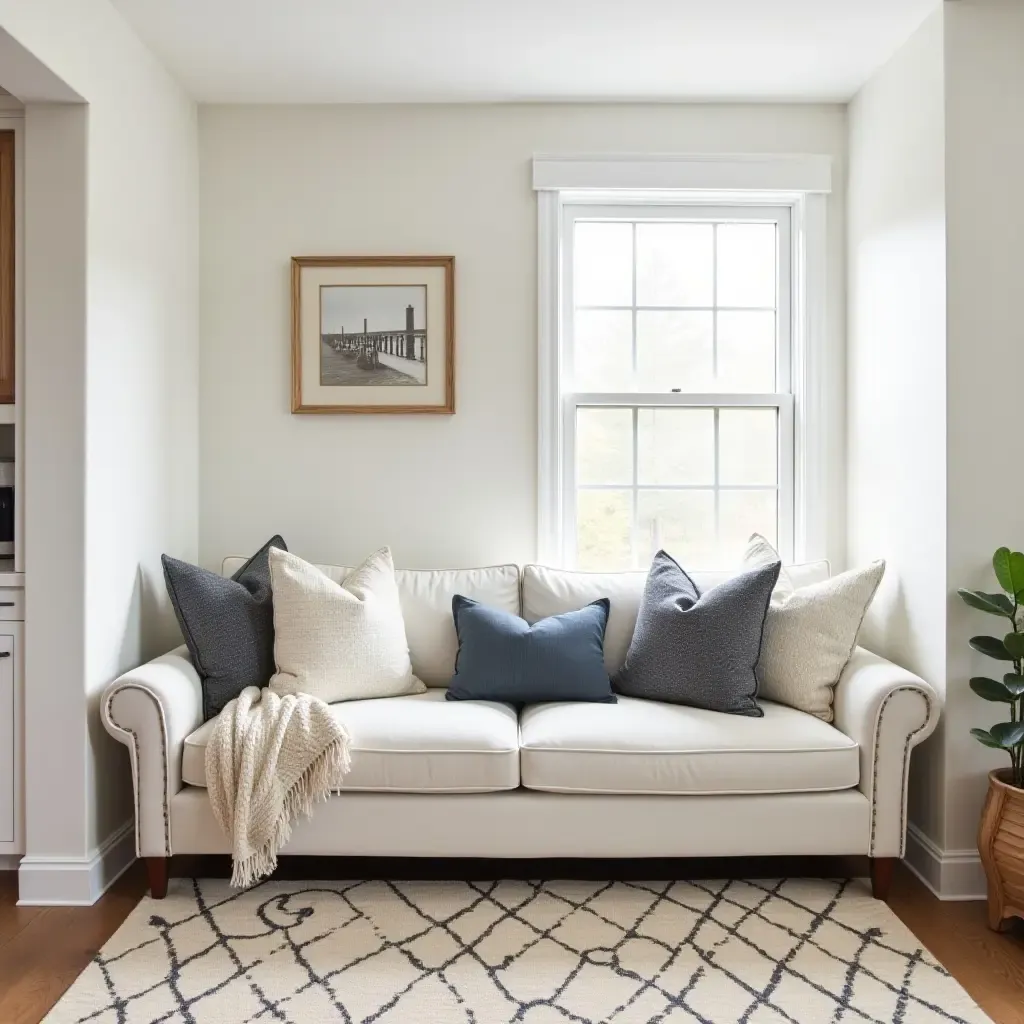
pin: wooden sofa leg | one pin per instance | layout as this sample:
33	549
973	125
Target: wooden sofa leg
881	876
156	868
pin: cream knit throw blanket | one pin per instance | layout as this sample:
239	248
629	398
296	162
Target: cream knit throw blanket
270	759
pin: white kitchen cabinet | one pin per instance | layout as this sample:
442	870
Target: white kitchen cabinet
12	841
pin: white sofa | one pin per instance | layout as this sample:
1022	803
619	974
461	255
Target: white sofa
437	778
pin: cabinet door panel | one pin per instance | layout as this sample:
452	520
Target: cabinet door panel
7	752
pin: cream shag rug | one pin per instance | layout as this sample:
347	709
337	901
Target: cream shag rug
761	952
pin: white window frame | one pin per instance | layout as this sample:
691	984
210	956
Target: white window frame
567	185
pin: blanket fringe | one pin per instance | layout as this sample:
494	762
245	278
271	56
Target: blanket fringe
311	788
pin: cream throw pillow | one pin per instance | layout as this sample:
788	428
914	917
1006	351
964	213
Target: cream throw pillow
810	632
339	641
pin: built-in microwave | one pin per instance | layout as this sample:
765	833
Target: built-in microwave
6	508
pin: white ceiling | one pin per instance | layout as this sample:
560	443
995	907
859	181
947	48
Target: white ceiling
385	51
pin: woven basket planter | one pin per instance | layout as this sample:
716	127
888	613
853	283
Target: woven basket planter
1001	844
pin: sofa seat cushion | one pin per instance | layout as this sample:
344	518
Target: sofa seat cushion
418	743
644	746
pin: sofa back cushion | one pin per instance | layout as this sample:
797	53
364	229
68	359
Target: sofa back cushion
426	599
549	591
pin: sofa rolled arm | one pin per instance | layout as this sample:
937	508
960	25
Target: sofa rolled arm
151	710
888	711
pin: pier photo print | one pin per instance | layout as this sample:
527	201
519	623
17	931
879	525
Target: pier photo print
373	334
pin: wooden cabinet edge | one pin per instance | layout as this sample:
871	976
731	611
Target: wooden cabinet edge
8	269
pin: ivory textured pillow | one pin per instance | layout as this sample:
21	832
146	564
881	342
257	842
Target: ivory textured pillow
339	641
810	632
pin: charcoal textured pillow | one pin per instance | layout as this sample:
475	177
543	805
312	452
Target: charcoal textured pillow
698	649
228	624
502	657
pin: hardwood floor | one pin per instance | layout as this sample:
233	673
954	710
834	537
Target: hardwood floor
989	965
43	949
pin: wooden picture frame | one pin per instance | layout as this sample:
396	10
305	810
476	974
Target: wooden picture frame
373	334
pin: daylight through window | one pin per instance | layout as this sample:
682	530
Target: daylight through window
676	388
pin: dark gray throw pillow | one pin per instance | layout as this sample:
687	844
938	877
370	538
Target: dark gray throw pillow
228	624
698	649
502	657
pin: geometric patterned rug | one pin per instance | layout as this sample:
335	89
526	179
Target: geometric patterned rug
801	951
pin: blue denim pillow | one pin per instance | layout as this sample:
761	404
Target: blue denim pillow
502	657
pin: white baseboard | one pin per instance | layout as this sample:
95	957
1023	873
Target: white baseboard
76	881
950	874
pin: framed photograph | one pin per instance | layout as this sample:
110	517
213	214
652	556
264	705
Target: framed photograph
373	334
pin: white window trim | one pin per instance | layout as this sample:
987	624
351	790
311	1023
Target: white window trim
805	174
800	183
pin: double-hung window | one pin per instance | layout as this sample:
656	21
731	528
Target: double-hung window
674	337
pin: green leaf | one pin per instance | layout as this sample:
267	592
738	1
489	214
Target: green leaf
994	604
1009	569
1017	570
1008	734
983	737
1014	683
991	689
991	646
1014	643
1001	565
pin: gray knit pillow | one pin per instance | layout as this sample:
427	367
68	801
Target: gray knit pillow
698	649
228	624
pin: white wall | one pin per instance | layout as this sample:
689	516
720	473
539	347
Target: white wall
985	226
934	364
142	389
120	428
278	182
54	472
896	370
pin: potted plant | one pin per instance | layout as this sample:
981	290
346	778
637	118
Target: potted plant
1001	835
